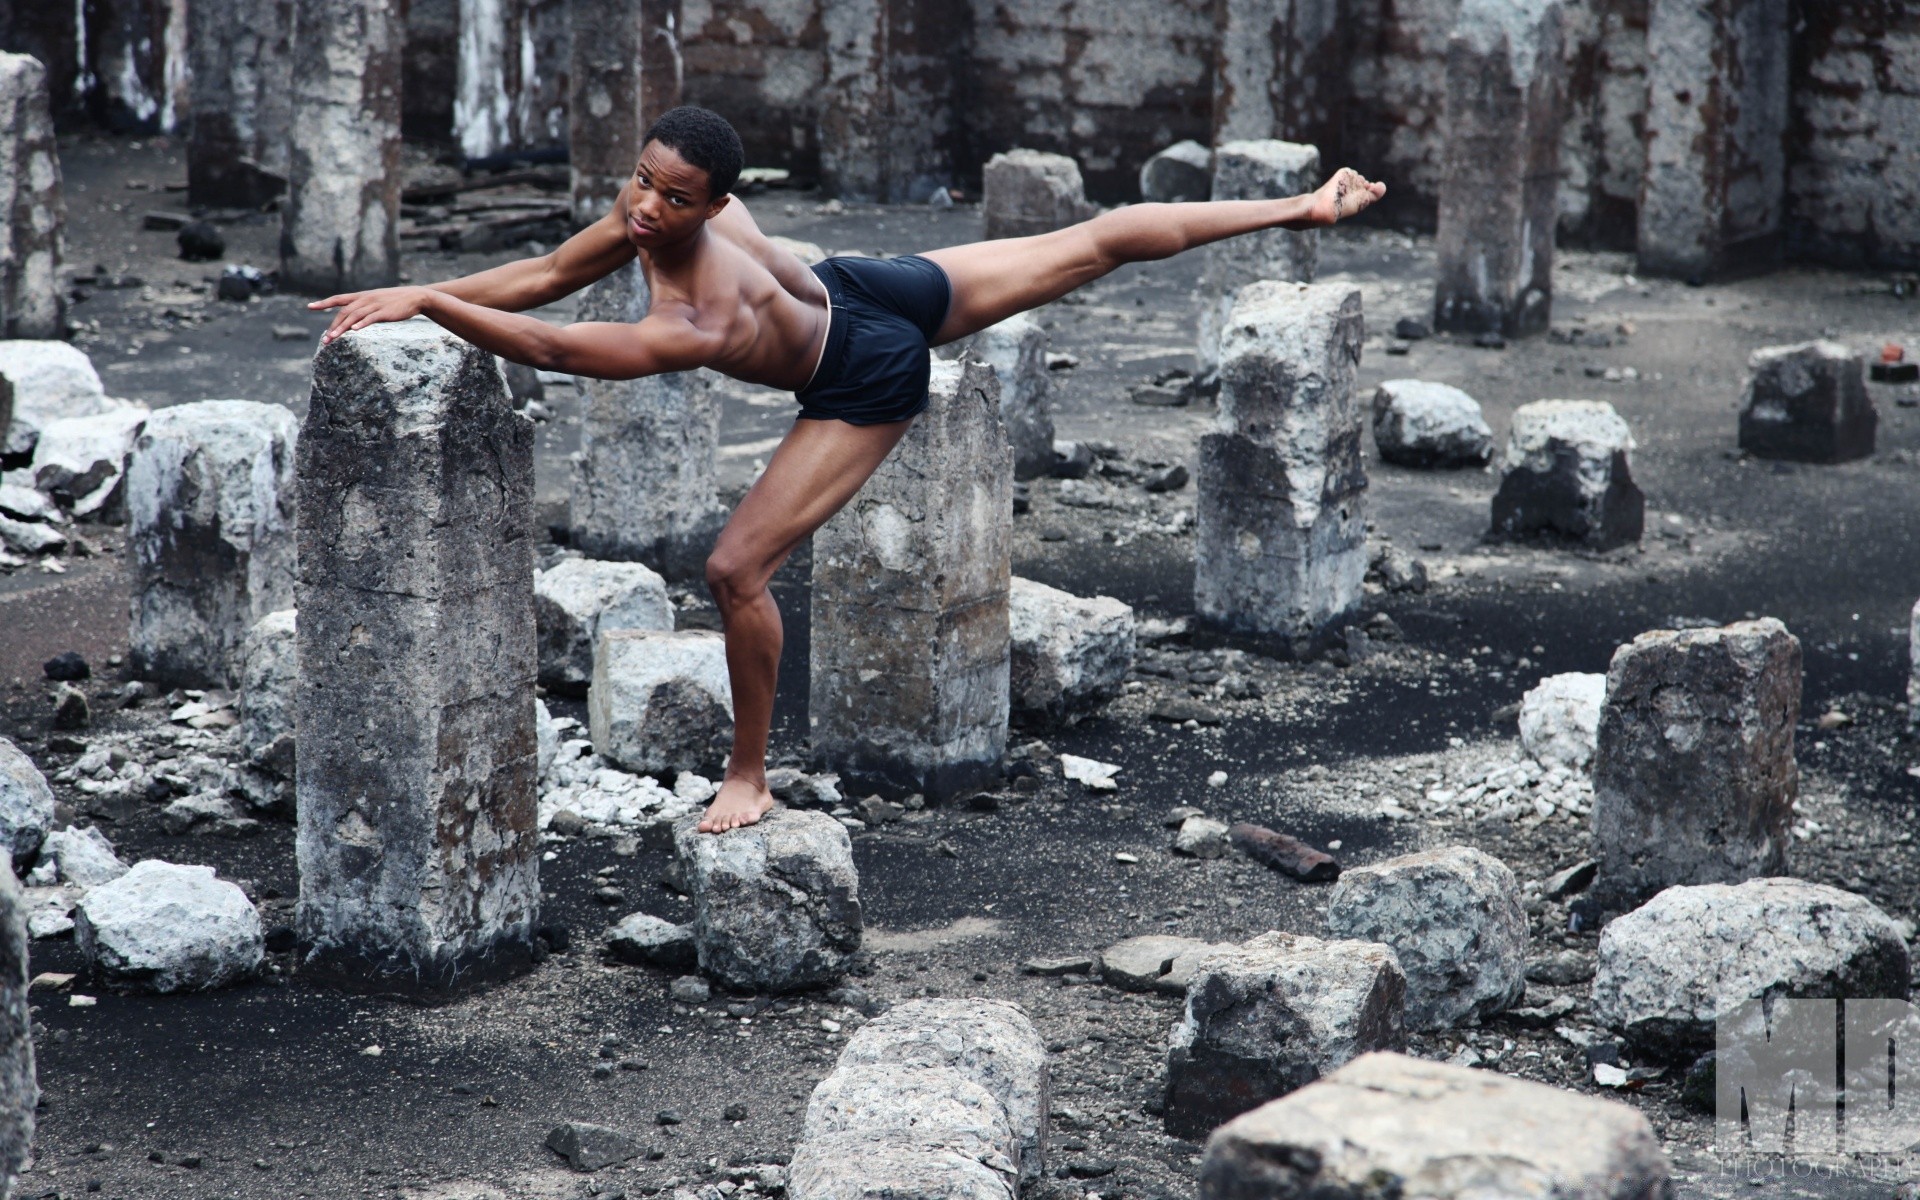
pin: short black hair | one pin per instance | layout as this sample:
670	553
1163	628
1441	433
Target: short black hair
705	139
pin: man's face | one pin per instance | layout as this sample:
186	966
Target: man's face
668	200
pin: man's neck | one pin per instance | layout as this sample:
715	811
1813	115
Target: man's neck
678	256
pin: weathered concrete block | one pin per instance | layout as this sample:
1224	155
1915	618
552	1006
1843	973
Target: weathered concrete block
1016	349
1183	171
887	118
624	70
1262	169
167	928
32	212
1387	1120
1142	964
210	535
1670	968
1568	473
1807	403
19	1086
417	844
1275	1014
1693	772
1560	719
1714	192
1500	182
1422	424
1913	666
1066	649
1025	192
576	599
81	462
937	1107
340	223
776	904
1281	71
910	652
81	858
269	679
1281	514
661	701
1453	917
644	938
240	53
26	804
855	1165
642	485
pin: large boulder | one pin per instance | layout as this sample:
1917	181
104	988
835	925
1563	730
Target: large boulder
1067	650
1422	424
661	701
26	804
577	599
1560	719
168	928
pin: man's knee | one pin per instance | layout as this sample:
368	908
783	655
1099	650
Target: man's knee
733	574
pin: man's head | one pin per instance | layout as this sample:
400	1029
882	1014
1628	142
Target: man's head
688	164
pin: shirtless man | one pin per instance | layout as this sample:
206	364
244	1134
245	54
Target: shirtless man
849	336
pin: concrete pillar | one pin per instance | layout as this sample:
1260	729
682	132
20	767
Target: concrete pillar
417	843
1016	349
241	53
19	1085
643	478
1280	71
339	227
1254	170
625	72
888	126
910	649
1499	183
510	77
1693	774
1281	513
32	212
1714	192
210	536
430	75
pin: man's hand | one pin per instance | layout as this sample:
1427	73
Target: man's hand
361	309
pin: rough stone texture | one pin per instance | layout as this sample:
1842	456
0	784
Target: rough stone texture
1913	666
510	76
1693	774
339	224
50	380
938	1107
644	938
1066	650
210	535
1275	1014
26	803
624	71
1453	916
1183	171
81	461
1667	969
1568	473
589	1147
776	904
241	62
1141	964
32	212
417	844
269	679
661	701
167	928
1714	196
19	1087
430	71
1202	837
1025	192
1280	71
642	486
577	598
990	1043
859	1166
82	858
1281	513
1807	403
1422	424
910	636
1560	719
888	120
1016	349
1388	1123
1253	170
1505	110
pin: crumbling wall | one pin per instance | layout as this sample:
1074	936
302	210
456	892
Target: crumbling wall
760	64
1603	151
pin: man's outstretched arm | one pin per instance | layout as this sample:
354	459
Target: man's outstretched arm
598	349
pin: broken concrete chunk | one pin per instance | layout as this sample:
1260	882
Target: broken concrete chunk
645	938
1257	169
1016	349
82	858
1030	191
1139	963
167	928
1560	719
661	700
939	1107
26	804
19	1088
32	294
267	681
1067	650
1202	837
1807	403
577	598
847	1166
1422	424
81	461
1183	171
589	1147
1568	473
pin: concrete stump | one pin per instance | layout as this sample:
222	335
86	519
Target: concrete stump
417	846
576	599
1388	1123
1183	171
19	1086
1066	650
1421	424
776	904
909	654
210	535
241	56
1668	971
1568	474
624	71
1713	198
1280	71
1454	919
1275	1014
1281	513
339	225
642	484
1693	775
1253	170
938	1107
1016	349
1025	192
854	1165
1807	403
1500	181
32	212
661	701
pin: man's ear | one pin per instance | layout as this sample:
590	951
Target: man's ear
714	208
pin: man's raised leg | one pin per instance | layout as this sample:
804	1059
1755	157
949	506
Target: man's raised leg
814	471
994	280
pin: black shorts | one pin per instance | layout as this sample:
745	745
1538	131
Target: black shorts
884	315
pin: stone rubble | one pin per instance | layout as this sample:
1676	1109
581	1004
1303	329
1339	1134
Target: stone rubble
1025	192
1422	424
661	700
1560	719
577	598
80	858
1067	651
1261	169
81	462
1567	472
1202	837
168	928
1146	963
1183	171
1807	403
26	804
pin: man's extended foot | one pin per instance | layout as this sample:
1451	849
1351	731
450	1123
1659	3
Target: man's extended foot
1347	193
740	802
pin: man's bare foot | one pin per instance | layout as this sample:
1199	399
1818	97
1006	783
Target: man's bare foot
1347	193
739	802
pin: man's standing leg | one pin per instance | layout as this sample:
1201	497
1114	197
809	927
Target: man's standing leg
815	470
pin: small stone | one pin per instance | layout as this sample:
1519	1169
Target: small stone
1180	709
690	989
589	1147
1177	816
1057	966
67	667
735	1112
644	938
200	241
668	1117
1183	171
1202	837
70	710
1411	329
1166	479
